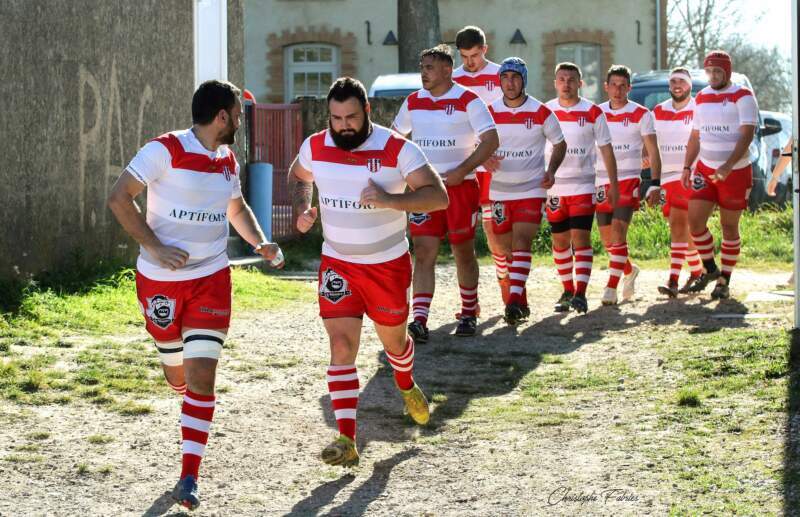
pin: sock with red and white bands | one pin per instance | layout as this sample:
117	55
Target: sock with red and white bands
729	255
500	265
343	388
677	256
403	365
583	269
469	301
421	306
197	412
563	260
518	274
695	264
704	242
180	389
617	257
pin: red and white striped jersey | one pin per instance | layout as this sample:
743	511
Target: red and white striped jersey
358	233
188	191
718	116
523	132
447	128
485	82
628	126
584	127
673	129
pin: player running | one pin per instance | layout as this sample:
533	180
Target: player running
631	128
725	120
361	171
673	123
481	76
453	127
570	201
519	181
183	281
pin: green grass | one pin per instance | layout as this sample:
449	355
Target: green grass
100	439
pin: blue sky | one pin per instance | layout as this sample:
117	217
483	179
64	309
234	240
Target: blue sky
775	25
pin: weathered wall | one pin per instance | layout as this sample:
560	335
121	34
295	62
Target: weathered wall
315	113
86	83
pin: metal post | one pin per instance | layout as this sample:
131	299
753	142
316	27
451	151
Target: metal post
795	175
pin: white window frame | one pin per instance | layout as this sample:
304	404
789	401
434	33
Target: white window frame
576	58
291	67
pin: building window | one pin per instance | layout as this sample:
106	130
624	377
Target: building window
310	68
586	56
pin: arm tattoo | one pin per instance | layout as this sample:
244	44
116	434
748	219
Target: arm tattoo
301	194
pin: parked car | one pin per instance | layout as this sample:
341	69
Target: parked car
651	88
395	85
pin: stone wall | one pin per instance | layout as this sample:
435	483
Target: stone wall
86	83
315	112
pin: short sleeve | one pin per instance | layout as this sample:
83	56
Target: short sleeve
402	122
150	163
304	155
410	158
696	118
479	117
552	129
602	136
647	124
236	191
748	110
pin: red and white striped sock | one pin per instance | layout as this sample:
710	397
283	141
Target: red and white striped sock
677	256
617	258
197	412
403	365
563	260
628	267
695	264
704	242
500	265
520	269
469	300
729	255
180	389
343	388
583	268
421	306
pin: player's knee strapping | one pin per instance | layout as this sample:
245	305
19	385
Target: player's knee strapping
171	354
203	343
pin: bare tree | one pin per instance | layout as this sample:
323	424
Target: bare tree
418	29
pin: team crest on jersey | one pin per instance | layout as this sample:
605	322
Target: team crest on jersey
698	182
687	119
499	212
581	121
626	121
333	286
226	171
529	123
418	218
374	164
449	109
724	102
600	195
553	203
489	85
161	310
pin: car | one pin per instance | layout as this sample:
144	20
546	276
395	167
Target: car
652	88
395	85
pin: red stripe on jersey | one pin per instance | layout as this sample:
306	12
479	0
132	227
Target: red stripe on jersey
703	98
634	116
520	117
426	103
477	80
661	114
574	116
332	154
195	162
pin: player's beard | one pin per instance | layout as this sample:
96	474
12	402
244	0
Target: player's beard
682	98
349	140
228	137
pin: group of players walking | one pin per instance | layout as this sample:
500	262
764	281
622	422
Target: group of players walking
482	148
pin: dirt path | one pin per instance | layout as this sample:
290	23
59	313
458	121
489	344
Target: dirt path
476	458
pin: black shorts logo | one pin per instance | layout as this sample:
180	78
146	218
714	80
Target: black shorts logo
418	218
698	182
499	212
601	194
161	310
333	286
553	203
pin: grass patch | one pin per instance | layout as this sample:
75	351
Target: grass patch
131	408
99	439
24	458
39	435
688	397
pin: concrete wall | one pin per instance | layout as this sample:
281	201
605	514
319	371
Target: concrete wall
86	83
271	24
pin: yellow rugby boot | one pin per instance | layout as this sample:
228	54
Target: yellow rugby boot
342	452
416	404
